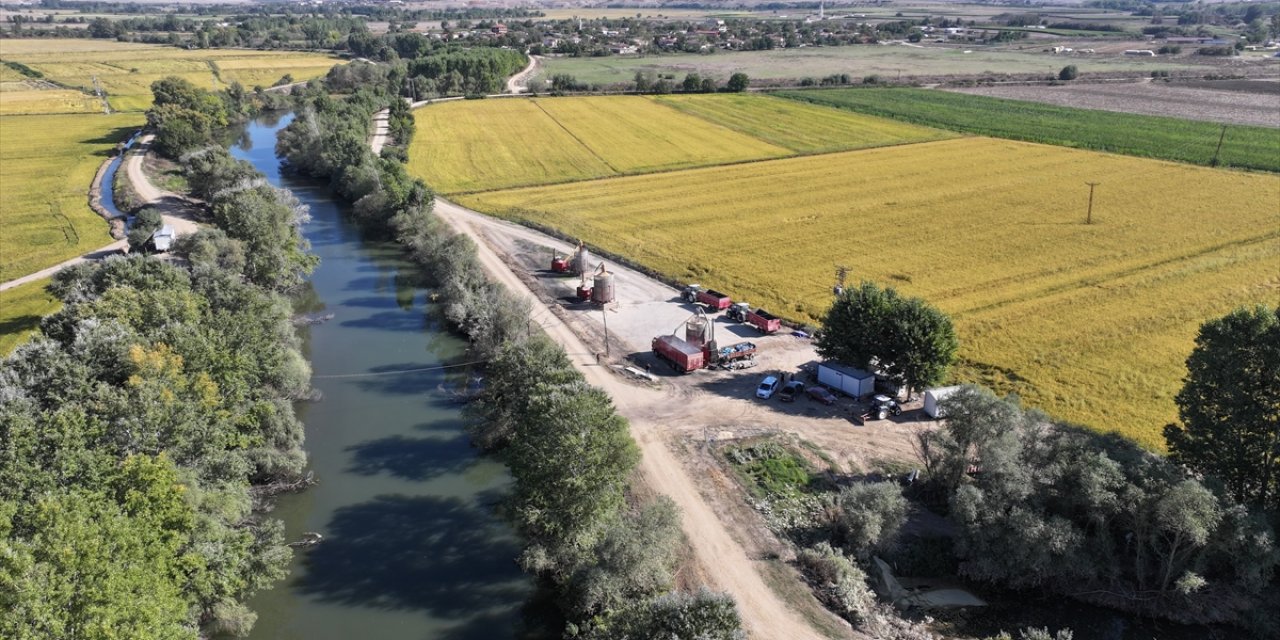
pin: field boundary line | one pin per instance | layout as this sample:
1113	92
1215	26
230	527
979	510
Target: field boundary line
576	138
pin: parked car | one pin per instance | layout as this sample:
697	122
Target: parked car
790	390
820	394
767	387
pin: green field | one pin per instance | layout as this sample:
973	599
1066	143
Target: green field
479	145
1089	322
21	309
858	61
46	166
126	70
1175	139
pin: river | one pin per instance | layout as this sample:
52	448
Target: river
413	548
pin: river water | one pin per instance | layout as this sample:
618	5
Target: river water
413	549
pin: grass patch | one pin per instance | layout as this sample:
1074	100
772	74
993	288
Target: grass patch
800	127
1163	138
21	309
991	231
46	166
769	469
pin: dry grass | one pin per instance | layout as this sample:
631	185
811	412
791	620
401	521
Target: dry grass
800	127
1090	322
20	98
46	166
126	70
21	309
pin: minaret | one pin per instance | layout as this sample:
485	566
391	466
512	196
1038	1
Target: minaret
822	10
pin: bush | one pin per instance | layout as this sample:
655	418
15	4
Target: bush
1069	72
838	583
871	515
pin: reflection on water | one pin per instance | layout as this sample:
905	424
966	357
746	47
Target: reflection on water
412	546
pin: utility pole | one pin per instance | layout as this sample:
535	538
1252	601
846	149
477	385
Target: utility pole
842	272
1089	217
1221	137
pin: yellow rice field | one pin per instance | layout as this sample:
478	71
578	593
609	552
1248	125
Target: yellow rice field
1089	322
485	144
21	309
633	134
480	145
22	98
126	70
799	126
46	166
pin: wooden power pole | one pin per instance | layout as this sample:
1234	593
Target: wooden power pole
1089	216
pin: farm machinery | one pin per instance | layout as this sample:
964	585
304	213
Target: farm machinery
698	348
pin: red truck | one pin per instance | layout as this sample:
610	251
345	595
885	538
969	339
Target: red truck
763	320
714	300
685	357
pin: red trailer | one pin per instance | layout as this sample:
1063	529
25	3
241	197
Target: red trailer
763	320
714	300
681	355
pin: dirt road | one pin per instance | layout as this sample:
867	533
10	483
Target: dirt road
519	83
722	558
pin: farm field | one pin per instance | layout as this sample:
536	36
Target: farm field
1174	100
633	134
126	70
479	145
1139	135
27	98
992	231
858	61
46	166
21	309
800	127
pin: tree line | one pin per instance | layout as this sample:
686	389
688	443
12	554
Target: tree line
145	424
608	557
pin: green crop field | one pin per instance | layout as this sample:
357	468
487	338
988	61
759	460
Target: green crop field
800	127
21	309
1190	141
126	70
479	145
1089	322
46	166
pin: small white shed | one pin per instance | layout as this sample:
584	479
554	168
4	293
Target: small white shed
933	396
162	239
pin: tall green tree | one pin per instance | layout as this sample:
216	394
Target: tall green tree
1229	406
904	339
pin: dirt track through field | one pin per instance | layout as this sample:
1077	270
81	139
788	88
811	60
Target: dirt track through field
723	559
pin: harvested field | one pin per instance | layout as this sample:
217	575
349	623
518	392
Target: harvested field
633	134
857	60
800	127
21	309
991	231
1131	134
46	166
126	70
1153	99
479	145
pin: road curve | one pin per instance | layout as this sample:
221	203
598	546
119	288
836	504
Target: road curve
519	83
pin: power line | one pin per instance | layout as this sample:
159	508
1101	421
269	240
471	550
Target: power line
399	371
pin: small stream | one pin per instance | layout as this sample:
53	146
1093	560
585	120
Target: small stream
108	185
413	548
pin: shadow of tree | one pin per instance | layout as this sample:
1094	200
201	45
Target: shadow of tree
412	458
439	555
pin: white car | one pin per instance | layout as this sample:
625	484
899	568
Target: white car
767	387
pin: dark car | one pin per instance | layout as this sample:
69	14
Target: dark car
791	390
820	394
